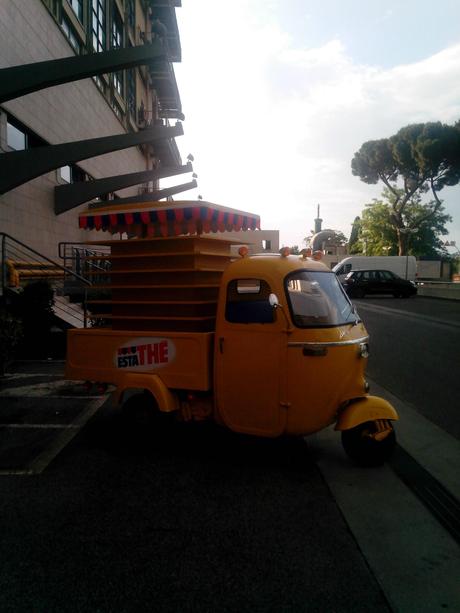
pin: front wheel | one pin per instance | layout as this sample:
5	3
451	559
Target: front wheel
370	443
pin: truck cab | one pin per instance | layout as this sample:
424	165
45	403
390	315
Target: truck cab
286	367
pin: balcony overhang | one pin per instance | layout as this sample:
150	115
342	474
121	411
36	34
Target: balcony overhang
18	167
165	84
67	197
17	81
148	196
167	152
165	11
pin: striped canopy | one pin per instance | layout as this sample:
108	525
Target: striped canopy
168	218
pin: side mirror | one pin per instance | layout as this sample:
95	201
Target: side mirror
273	300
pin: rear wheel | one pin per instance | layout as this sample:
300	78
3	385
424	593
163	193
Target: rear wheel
370	443
141	410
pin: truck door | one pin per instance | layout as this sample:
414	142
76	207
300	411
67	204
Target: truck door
250	346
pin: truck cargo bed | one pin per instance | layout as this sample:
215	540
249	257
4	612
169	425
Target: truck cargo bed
183	360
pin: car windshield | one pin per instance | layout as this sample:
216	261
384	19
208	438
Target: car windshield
316	299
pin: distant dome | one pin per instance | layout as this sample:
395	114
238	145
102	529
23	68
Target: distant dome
317	240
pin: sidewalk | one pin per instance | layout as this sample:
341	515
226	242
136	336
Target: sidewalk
414	558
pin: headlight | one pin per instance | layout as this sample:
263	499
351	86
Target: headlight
363	350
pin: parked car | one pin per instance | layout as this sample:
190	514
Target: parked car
358	283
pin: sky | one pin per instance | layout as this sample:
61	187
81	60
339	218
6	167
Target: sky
278	95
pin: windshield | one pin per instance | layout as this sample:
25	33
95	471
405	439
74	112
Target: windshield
316	299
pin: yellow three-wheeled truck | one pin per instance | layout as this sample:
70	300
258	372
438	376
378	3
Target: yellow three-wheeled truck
266	344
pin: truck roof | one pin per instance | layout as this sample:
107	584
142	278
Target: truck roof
273	263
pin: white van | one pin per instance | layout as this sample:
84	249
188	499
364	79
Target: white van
405	266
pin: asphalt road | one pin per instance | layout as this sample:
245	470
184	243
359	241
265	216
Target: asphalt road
195	519
414	352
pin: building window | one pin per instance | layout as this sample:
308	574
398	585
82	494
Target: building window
65	174
131	13
131	93
98	25
266	245
72	174
18	137
116	42
70	33
117	30
77	7
15	138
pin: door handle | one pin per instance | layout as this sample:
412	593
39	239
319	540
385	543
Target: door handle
314	351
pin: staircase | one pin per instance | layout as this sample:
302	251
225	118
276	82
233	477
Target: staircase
21	264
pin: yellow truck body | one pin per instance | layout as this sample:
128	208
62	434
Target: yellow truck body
197	329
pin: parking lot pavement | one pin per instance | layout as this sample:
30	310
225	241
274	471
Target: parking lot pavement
40	414
210	520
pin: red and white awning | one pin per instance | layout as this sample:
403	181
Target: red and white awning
168	219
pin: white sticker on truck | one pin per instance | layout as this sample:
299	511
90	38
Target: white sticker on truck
145	353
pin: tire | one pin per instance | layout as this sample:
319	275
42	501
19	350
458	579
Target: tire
140	410
367	451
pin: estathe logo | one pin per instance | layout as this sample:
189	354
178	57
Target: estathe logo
145	353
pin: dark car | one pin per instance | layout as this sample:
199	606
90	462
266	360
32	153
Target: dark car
358	283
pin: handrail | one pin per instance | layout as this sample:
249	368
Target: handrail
4	235
12	249
63	244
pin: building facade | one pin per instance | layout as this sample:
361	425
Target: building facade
125	101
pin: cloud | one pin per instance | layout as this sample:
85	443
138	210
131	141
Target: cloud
274	126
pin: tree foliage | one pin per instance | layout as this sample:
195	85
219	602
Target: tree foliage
418	159
354	236
378	235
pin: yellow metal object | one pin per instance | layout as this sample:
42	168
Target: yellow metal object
180	329
305	253
382	429
165	399
369	408
180	359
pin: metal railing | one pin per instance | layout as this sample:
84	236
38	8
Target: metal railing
92	263
21	264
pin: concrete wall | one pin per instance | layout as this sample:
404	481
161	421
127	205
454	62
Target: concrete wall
59	114
254	240
449	291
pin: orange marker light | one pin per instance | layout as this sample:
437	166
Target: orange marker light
285	251
317	255
305	253
243	251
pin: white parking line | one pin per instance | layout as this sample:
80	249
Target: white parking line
39	426
69	431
